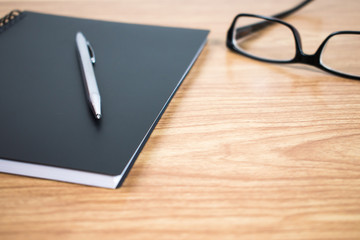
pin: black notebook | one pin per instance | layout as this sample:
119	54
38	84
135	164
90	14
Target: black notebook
47	129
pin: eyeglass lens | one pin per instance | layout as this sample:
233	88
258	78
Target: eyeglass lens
264	39
342	54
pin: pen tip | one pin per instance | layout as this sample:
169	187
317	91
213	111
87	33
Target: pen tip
98	116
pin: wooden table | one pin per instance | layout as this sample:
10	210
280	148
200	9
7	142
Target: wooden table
245	150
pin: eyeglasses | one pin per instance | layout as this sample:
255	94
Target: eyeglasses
270	39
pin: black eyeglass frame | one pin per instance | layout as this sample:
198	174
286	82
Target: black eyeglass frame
300	56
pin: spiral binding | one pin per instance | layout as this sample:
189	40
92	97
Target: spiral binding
9	19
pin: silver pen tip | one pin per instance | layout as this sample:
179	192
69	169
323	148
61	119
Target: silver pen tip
98	116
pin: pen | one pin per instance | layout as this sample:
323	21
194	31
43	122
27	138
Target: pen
87	59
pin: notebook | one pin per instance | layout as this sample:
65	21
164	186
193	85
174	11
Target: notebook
47	129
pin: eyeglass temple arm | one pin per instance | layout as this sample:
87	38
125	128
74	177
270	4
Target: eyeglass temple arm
246	30
290	11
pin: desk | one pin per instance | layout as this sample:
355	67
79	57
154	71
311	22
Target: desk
245	150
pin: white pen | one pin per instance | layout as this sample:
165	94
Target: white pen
87	59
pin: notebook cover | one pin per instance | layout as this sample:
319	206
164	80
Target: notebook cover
45	116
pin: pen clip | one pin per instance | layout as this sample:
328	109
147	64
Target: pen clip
91	52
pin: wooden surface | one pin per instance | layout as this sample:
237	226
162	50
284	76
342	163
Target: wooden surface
246	150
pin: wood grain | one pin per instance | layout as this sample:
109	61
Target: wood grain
246	150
